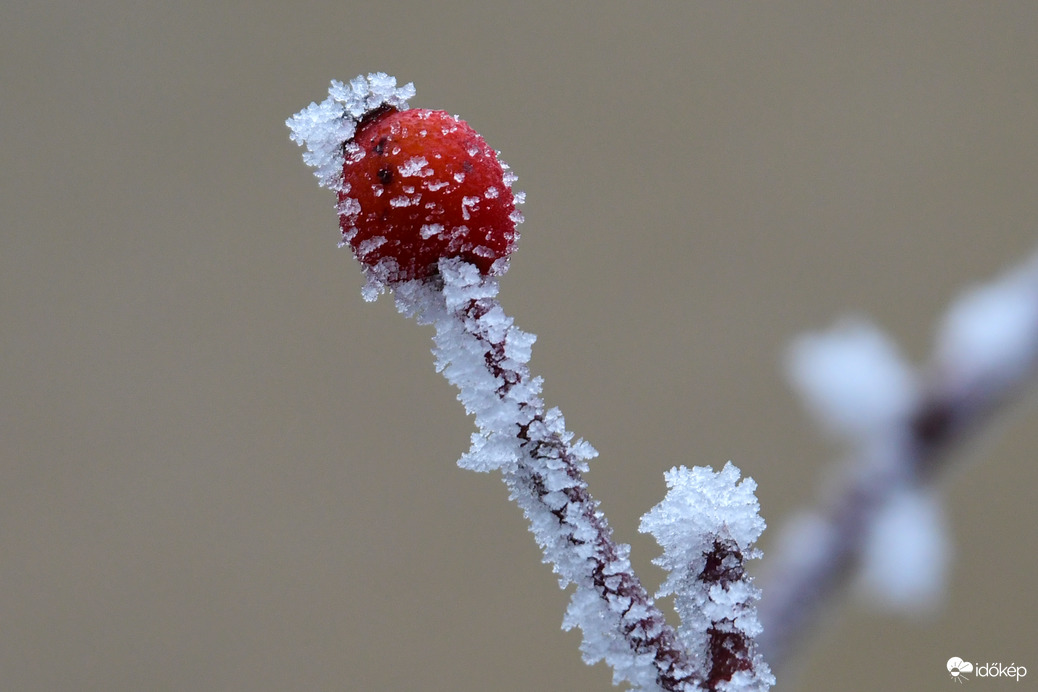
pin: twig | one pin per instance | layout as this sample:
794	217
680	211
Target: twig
986	353
542	468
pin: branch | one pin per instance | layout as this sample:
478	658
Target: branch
707	526
900	428
480	351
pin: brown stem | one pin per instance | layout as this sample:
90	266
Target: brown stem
605	568
647	634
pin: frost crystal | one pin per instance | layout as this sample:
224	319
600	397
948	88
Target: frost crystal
430	229
324	127
413	167
707	525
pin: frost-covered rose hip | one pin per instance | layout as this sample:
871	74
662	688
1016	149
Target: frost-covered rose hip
414	186
419	185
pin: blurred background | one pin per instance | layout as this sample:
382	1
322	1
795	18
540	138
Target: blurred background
220	469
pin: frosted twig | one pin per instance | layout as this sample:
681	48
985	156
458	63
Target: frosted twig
480	351
900	428
707	525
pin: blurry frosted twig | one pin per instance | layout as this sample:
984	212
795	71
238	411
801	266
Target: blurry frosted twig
882	521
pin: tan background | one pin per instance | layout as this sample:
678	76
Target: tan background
220	469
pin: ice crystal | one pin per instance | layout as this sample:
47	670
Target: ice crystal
324	127
707	526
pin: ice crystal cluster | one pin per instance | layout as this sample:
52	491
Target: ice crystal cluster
323	128
707	526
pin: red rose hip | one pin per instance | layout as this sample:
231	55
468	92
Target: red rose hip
420	185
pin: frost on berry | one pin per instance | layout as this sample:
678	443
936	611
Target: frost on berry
323	127
413	186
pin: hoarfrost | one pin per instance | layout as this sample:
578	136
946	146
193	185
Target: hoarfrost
430	229
701	506
482	353
370	244
707	526
324	127
349	206
468	204
378	277
413	167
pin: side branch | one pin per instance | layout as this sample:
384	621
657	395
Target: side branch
985	355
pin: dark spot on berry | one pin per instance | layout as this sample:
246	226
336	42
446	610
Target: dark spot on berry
380	148
467	166
385	176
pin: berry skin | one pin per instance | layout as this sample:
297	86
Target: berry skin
419	185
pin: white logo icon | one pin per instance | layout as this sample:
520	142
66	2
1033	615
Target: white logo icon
957	668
